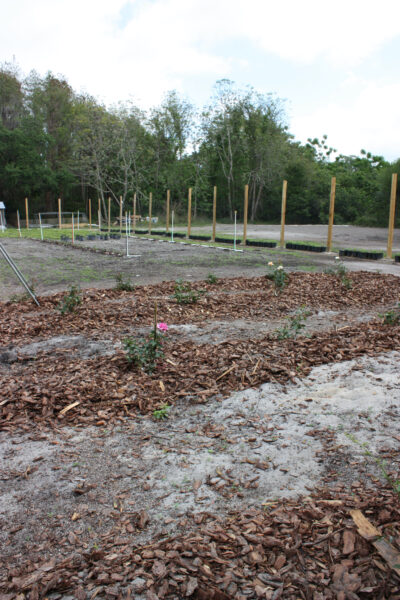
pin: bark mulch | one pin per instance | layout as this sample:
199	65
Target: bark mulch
308	549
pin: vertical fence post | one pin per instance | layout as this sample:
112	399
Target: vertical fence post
283	214
167	215
120	214
109	214
90	214
234	235
73	229
331	214
26	213
99	215
40	225
245	211
19	224
150	207
172	227
392	212
189	225
59	213
214	225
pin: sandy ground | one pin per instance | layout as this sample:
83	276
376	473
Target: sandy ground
247	450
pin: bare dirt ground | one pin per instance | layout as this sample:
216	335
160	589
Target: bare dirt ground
244	490
55	267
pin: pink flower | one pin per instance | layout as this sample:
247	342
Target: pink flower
162	326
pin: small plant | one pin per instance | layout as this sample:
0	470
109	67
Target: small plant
184	294
394	483
211	278
295	323
391	317
278	276
123	284
161	413
145	353
341	272
70	301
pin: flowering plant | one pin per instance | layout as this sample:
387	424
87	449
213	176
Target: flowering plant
145	353
278	275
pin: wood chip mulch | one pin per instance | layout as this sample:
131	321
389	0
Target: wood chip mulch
306	549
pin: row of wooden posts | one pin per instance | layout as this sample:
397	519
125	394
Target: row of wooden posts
245	213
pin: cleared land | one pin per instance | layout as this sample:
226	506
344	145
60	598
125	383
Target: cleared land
245	489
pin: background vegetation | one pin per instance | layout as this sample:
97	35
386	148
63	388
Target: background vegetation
57	143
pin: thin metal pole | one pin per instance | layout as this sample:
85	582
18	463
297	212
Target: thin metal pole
19	224
126	234
78	220
234	236
18	273
172	226
41	229
73	231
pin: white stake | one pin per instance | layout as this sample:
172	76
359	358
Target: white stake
234	237
172	227
126	235
78	220
73	232
41	230
19	224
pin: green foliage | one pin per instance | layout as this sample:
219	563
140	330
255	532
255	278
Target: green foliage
184	294
340	271
70	301
295	324
211	278
278	276
162	413
145	353
122	284
391	317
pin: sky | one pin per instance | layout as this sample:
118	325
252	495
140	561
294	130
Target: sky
336	64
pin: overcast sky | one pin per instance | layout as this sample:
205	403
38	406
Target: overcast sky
337	64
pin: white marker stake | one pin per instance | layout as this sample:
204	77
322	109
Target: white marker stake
41	230
126	235
172	227
73	232
234	236
19	224
78	220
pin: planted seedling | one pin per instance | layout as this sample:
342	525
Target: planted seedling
122	284
278	276
70	301
295	324
184	294
391	317
161	413
211	278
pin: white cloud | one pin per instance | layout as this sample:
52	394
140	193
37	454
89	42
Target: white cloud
371	121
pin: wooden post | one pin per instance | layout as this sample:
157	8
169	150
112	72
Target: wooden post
120	214
134	212
189	225
214	225
150	203
331	214
392	212
109	214
167	215
283	214
246	208
26	213
59	213
90	214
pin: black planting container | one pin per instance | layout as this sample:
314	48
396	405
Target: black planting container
397	258
260	244
204	238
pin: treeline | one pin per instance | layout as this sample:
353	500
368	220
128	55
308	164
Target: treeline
57	143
